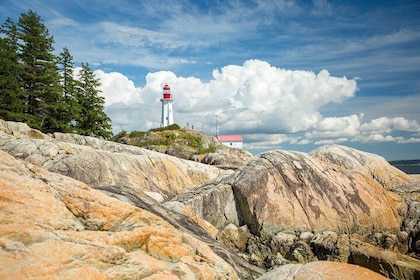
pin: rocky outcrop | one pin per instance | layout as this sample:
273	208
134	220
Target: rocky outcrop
98	162
54	225
368	164
81	207
188	144
411	225
304	207
286	190
228	158
321	270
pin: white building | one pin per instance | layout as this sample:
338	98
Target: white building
233	141
167	115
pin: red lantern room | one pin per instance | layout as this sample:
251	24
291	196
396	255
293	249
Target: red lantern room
167	92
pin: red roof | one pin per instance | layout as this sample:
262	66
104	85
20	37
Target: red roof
166	87
230	138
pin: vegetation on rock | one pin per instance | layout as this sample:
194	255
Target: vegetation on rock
173	140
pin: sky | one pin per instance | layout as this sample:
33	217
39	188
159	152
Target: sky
286	74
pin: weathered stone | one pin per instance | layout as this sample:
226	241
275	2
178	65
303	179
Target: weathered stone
306	236
214	202
257	251
411	225
184	224
324	245
98	162
298	191
187	211
234	237
228	157
386	262
321	270
300	252
55	226
20	130
282	243
368	164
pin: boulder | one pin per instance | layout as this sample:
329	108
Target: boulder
368	164
411	225
55	226
282	243
214	202
298	191
286	190
387	262
229	158
321	270
20	130
233	237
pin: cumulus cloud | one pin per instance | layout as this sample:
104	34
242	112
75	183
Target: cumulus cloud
269	105
118	88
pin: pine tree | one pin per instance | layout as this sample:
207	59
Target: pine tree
40	74
69	87
12	103
93	120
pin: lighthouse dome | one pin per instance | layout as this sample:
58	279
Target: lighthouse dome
166	87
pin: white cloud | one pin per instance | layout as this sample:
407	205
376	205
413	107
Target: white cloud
253	99
116	87
385	124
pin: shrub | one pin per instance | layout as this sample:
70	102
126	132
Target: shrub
137	134
169	127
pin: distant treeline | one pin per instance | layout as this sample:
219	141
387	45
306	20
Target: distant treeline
41	89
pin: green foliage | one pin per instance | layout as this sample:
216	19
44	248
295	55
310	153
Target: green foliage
12	100
92	119
69	87
169	127
166	137
210	149
39	88
120	134
136	134
194	141
40	74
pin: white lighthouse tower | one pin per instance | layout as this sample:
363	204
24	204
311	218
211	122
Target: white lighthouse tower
167	116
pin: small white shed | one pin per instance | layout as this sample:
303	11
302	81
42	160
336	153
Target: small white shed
233	141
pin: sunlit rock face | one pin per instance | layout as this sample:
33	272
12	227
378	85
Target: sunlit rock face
333	188
97	162
81	207
54	226
324	270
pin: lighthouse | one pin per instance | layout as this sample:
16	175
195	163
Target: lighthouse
167	116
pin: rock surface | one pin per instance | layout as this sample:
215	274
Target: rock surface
229	158
411	225
321	270
98	162
306	192
51	224
149	215
334	203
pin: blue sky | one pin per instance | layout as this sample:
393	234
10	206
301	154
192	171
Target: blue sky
286	74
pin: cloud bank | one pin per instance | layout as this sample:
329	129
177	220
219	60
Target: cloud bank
267	104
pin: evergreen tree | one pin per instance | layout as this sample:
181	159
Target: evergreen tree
12	103
92	120
69	87
40	74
